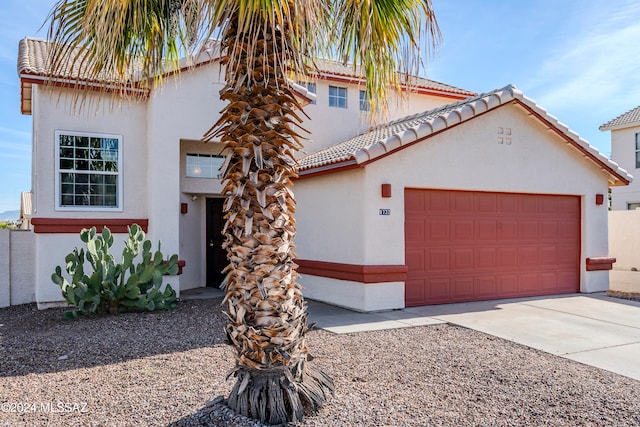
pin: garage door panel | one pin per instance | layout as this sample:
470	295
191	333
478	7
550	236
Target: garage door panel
462	202
528	283
462	288
486	230
507	258
437	290
485	258
438	259
548	256
438	230
414	231
508	285
415	258
485	286
485	202
507	230
548	281
414	292
465	246
548	230
462	229
462	258
528	256
528	230
438	202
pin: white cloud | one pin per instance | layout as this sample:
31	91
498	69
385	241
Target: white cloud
598	65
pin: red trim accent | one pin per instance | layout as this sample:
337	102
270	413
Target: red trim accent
75	225
443	93
181	263
600	263
332	168
385	190
353	272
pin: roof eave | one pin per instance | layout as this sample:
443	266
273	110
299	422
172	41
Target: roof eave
619	126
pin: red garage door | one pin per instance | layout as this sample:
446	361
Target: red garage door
469	246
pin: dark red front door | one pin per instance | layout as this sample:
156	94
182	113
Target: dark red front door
216	256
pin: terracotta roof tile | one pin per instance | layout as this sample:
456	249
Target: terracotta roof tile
347	70
33	60
630	118
396	134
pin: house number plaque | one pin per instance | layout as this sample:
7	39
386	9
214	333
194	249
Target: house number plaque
385	211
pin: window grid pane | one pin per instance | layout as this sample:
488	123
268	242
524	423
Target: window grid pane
364	102
204	166
337	97
88	171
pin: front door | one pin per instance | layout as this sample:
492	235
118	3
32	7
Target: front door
216	256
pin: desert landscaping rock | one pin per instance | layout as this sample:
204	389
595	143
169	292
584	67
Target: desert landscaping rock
170	368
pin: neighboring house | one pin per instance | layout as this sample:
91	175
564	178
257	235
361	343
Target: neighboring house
625	150
107	161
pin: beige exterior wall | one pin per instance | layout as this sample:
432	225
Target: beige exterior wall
332	125
466	157
624	245
17	264
623	152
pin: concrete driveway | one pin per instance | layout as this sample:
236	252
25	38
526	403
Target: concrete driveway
589	328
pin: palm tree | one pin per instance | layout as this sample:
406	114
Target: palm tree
266	44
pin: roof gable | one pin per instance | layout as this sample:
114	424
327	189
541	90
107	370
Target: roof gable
399	134
629	119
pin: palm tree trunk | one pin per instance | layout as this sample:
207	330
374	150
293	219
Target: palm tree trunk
264	303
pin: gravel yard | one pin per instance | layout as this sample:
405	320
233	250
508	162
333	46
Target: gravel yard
162	368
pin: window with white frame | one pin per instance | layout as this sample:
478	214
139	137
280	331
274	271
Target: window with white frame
204	166
637	150
88	171
365	105
337	97
311	87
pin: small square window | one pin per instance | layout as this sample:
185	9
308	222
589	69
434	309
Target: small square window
337	97
365	105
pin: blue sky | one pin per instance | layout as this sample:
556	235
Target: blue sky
579	59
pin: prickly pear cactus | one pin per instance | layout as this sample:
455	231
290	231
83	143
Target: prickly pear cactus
111	287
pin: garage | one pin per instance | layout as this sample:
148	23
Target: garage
487	198
469	246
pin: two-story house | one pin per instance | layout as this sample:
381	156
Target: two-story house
625	151
455	197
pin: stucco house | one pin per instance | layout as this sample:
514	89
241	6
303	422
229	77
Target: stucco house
458	197
625	150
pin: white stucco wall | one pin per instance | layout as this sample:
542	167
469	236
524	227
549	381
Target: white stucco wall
623	152
55	110
5	278
332	125
22	267
466	157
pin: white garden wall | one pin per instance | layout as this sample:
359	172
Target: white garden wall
17	262
624	246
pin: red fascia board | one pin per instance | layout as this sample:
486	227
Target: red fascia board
600	263
75	225
341	78
353	272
